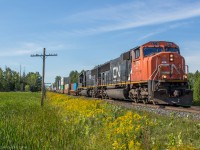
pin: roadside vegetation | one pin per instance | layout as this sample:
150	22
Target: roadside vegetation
11	80
67	122
194	83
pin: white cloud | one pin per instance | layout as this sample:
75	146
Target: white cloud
30	48
163	29
25	48
131	15
151	34
16	52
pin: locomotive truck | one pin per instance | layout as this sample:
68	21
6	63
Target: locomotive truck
153	72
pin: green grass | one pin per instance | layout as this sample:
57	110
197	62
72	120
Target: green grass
174	132
25	125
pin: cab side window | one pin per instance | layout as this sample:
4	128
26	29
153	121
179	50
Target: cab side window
137	53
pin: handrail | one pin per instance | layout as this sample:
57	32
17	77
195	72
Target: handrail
155	69
172	67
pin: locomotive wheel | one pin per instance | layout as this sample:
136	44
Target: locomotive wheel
155	103
144	101
105	96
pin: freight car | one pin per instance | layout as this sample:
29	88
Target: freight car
64	86
153	72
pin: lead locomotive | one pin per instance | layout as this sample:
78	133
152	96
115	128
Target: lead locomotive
153	72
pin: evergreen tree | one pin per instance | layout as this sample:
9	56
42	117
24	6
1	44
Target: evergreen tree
23	81
74	76
56	81
8	80
191	80
1	79
197	90
34	81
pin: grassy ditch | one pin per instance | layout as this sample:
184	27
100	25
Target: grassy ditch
77	123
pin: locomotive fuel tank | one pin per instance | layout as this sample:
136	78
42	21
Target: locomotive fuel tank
84	92
117	93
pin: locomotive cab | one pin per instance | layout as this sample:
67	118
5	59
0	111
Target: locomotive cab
159	74
162	66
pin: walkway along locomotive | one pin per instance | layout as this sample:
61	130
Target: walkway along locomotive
153	72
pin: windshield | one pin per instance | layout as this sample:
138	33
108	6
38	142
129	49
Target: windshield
152	50
171	49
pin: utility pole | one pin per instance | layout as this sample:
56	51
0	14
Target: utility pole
43	56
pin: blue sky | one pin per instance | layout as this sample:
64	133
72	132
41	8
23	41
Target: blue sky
87	33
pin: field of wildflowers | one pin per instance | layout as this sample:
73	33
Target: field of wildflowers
103	126
98	124
68	122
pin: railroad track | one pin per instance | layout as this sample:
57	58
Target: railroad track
192	112
192	109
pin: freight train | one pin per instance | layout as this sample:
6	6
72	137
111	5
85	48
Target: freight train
154	72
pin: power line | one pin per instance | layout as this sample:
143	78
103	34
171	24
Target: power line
43	56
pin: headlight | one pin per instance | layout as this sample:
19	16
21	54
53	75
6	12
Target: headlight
171	57
185	77
164	76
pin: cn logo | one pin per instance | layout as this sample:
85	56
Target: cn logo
116	72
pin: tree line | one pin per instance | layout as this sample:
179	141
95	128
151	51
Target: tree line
194	84
11	80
